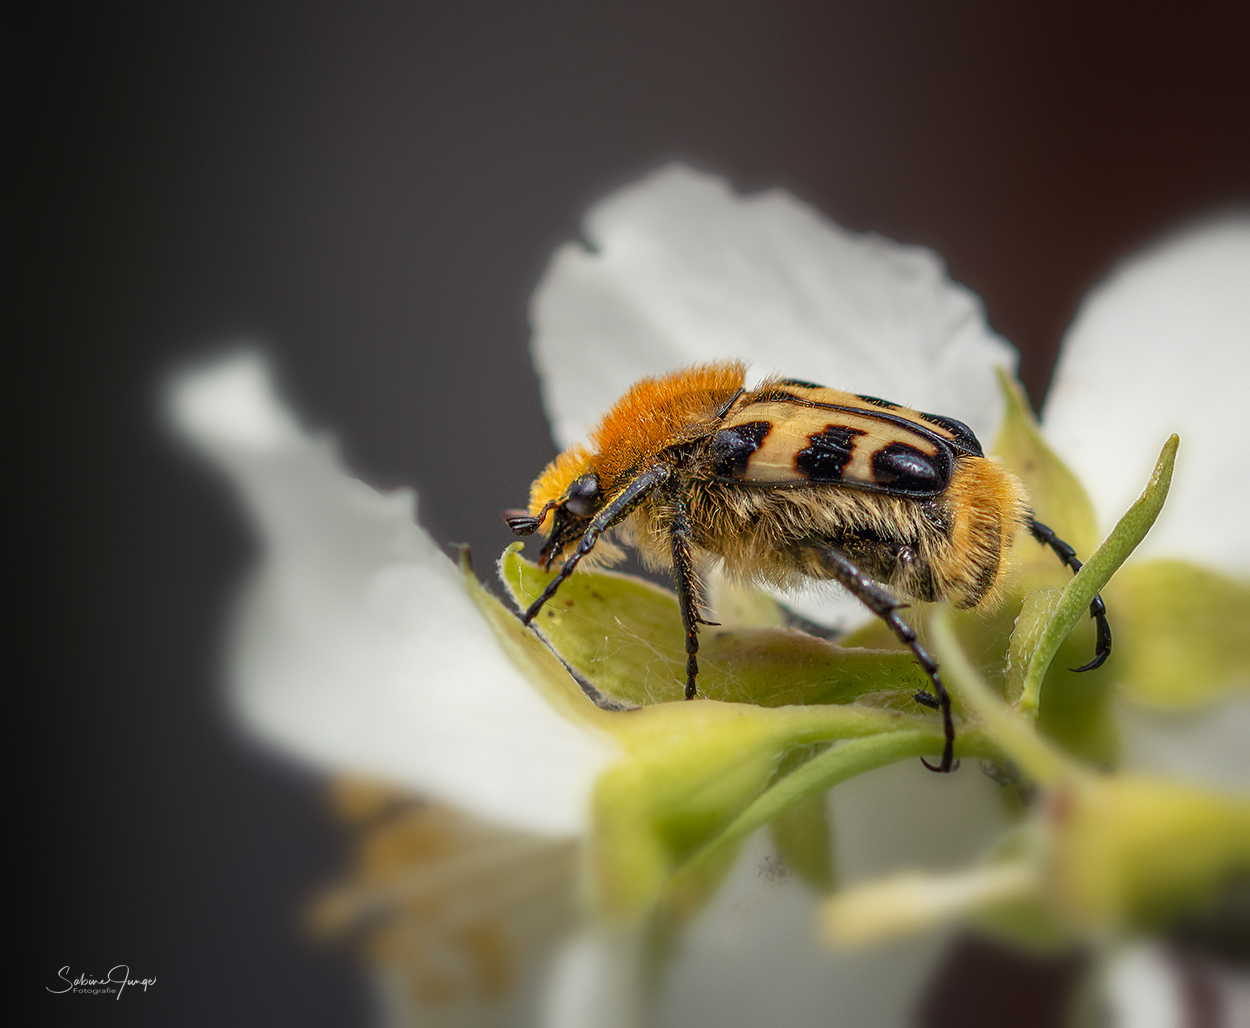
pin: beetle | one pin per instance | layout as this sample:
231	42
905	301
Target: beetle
787	482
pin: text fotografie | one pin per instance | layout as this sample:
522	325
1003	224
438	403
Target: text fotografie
119	976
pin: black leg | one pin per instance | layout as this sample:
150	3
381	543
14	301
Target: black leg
1097	609
687	597
877	599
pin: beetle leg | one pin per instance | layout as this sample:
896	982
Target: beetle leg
882	603
1097	609
617	510
684	580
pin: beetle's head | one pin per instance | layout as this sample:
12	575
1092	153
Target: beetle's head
569	490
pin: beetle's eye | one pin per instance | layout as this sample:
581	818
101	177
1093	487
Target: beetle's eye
582	496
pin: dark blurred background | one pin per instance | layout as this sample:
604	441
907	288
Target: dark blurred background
374	190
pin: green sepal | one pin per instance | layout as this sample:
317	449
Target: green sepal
1036	612
1182	633
1055	493
1030	922
625	635
1074	603
1078	712
804	840
803	835
689	772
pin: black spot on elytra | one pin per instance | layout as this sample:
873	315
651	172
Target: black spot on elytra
732	447
962	433
827	453
905	469
798	383
876	401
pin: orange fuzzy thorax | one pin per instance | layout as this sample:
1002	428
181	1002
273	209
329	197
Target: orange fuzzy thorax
653	415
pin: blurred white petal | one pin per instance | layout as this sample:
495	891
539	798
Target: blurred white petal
684	270
1143	990
597	981
357	645
1208	746
1164	346
753	958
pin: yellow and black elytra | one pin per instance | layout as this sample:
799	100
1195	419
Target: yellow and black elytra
785	483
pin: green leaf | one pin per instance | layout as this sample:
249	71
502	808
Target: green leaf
1182	633
1097	571
535	660
625	636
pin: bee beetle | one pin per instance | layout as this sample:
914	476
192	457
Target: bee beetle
787	482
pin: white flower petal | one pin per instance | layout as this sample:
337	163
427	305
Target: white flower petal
903	816
1143	990
1164	346
684	270
753	958
357	645
598	981
1207	746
